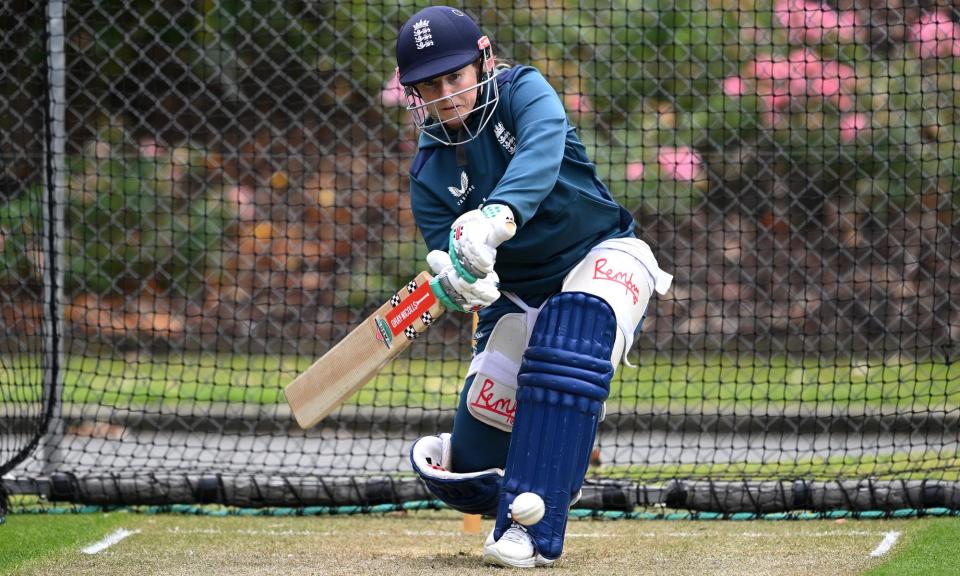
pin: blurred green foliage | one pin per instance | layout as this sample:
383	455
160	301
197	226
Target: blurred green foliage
638	77
21	237
135	218
140	215
652	71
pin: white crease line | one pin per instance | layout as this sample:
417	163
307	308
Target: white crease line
889	539
108	541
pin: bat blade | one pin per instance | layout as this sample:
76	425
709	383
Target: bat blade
362	353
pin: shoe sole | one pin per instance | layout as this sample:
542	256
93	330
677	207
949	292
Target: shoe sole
493	558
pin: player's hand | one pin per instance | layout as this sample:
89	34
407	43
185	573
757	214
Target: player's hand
455	292
474	238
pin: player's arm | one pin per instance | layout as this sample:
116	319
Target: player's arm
541	125
457	291
471	238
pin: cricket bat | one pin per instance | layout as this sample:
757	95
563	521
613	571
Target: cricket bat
362	353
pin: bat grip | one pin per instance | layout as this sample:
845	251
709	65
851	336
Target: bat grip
439	285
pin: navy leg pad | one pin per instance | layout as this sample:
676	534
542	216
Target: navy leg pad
564	380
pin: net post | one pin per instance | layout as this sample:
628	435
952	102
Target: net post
55	185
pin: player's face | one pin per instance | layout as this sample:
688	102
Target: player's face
453	95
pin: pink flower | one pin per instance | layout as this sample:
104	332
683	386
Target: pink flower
240	199
803	62
833	81
847	26
781	101
775	101
936	35
149	149
851	125
577	103
803	74
767	67
769	72
634	171
734	86
810	21
683	163
393	93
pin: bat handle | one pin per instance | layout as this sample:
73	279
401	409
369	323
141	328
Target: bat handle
440	286
501	234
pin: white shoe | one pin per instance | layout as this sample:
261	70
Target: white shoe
514	549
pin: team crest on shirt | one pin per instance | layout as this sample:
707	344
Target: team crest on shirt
505	138
464	190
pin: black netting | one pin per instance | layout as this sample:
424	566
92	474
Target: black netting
233	200
25	365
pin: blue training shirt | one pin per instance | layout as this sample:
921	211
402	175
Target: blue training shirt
529	158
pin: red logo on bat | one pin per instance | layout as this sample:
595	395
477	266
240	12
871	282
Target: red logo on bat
410	308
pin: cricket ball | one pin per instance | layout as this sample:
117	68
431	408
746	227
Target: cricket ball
527	509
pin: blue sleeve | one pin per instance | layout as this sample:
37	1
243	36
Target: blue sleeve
432	218
541	130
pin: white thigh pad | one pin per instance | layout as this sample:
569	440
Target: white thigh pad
624	272
492	398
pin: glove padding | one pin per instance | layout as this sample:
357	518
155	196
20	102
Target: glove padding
458	293
474	238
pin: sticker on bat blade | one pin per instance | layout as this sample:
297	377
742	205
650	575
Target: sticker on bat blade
410	308
383	332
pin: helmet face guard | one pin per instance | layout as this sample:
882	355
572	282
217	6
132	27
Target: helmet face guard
488	95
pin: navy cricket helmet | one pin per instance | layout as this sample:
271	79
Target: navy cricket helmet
436	41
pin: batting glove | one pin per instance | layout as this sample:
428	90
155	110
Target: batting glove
474	238
455	292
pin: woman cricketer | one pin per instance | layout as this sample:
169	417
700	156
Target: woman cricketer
522	231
